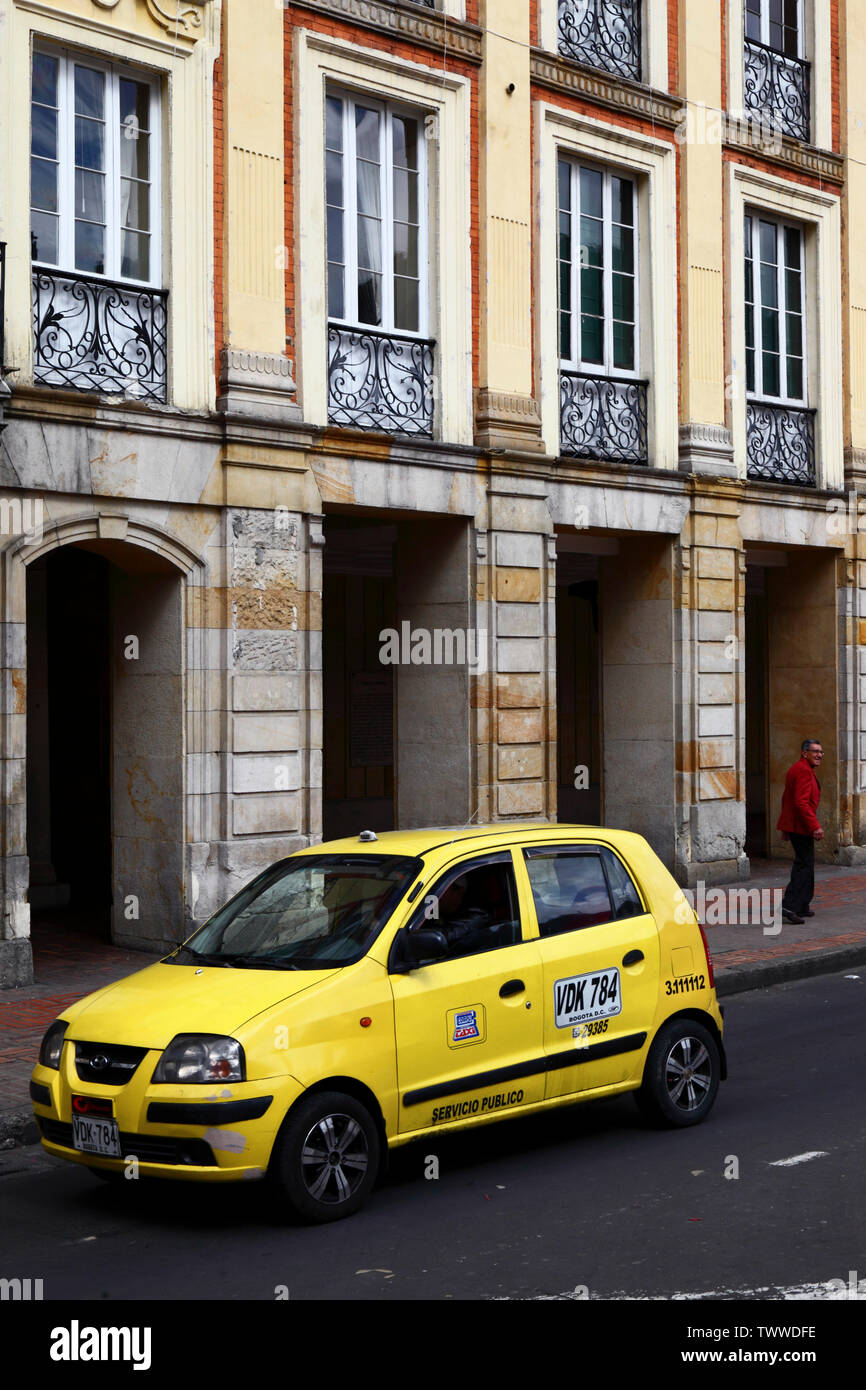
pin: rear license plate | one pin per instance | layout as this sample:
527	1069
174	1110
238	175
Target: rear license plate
581	998
94	1136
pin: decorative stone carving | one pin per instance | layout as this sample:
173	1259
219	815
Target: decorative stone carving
707	449
259	384
505	421
183	17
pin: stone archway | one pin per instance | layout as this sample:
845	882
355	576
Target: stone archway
142	573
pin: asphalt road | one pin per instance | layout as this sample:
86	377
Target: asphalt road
582	1202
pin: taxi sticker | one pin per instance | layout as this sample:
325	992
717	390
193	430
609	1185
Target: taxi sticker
466	1025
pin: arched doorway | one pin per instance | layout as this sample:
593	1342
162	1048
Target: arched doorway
105	667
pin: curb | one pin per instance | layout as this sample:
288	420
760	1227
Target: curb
19	1129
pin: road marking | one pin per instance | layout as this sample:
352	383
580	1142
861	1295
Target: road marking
828	1289
799	1158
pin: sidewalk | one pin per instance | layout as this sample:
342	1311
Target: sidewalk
69	964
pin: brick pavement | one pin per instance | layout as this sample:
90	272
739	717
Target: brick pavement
69	963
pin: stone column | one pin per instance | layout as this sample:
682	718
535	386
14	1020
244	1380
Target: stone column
710	641
16	960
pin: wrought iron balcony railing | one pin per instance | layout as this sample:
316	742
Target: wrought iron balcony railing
778	87
603	417
379	381
602	34
780	443
97	335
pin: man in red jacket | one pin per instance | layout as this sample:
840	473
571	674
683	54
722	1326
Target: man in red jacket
799	824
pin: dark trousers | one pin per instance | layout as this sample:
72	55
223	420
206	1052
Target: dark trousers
801	888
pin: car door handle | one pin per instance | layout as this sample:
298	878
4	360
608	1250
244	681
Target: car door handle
511	987
632	957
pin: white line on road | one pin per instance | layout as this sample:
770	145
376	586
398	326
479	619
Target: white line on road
799	1158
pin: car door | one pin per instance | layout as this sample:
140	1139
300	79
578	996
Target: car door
600	960
468	1023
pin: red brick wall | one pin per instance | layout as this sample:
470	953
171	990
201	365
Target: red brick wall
834	72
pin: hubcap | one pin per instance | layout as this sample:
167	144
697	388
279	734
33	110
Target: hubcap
688	1073
334	1159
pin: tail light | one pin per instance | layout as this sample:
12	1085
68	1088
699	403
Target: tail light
708	955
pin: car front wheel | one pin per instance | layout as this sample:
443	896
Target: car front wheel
326	1157
682	1074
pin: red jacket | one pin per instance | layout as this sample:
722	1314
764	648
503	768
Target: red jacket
800	800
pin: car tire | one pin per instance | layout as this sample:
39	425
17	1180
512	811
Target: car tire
681	1076
326	1157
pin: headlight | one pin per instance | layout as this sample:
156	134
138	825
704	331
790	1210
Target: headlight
52	1044
198	1058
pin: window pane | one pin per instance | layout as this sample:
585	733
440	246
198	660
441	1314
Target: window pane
591	286
335	235
368	188
43	134
622	248
750	369
590	242
369	243
43	237
134	106
134	153
565	337
794	334
770	369
564	285
591	340
750	290
43	185
624	895
795	378
89	143
623	346
769	286
623	297
89	93
44	87
333	123
770	330
405	249
405	142
750	326
564	177
334	179
135	255
621	200
90	248
747	227
336	276
753	19
369	298
405	196
406	304
792	248
89	196
366	133
477	911
135	204
793	289
590	192
569	891
767	239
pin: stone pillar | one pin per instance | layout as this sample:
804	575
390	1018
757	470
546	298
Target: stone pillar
710	642
516	701
16	960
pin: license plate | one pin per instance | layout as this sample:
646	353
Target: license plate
580	998
93	1136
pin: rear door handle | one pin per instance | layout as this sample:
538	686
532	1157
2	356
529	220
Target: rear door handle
632	957
511	987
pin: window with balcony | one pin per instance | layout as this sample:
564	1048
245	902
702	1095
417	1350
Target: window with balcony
775	72
380	359
780	426
603	401
99	313
603	34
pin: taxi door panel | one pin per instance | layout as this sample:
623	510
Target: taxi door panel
469	1029
601	977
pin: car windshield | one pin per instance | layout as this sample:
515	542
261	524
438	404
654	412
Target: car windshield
305	913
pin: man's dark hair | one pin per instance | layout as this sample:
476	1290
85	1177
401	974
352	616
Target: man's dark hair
807	743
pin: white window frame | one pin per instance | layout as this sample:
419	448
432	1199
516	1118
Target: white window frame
575	363
68	59
386	188
322	62
654	40
818	212
814	46
781	225
651	162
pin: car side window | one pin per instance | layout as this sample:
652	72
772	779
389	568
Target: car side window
569	888
623	893
474	907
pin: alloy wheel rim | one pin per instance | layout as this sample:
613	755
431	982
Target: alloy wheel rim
688	1073
334	1159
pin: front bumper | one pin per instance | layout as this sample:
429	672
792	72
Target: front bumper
214	1133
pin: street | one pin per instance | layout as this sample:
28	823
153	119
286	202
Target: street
585	1202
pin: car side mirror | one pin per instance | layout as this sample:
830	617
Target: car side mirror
418	947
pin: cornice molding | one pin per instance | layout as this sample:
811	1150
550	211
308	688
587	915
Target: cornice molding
791	155
428	28
564	76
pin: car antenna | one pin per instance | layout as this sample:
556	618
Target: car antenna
461	828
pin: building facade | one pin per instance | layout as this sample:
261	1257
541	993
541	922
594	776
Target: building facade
422	412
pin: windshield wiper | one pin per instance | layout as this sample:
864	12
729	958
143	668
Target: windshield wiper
201	956
261	962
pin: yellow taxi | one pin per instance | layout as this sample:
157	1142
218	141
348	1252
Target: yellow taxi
371	991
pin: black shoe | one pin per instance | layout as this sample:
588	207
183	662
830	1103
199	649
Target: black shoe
807	912
791	918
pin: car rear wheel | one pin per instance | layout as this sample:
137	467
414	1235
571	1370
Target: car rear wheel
326	1157
682	1074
